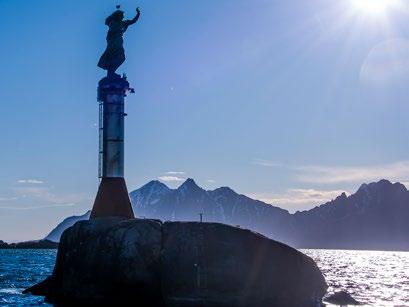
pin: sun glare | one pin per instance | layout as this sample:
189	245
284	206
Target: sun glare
374	7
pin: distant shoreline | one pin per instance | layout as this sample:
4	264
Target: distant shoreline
48	244
40	244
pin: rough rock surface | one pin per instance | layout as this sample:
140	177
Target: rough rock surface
3	244
144	262
341	298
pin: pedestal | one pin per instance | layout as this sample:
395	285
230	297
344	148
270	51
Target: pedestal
112	198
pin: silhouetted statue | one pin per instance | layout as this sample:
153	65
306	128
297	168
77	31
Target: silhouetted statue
114	54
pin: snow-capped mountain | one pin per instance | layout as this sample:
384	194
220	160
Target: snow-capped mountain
156	200
375	217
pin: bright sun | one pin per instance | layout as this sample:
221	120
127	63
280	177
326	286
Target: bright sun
374	7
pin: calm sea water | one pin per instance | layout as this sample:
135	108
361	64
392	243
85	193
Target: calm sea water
374	278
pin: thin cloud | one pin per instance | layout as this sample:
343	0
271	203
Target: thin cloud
397	171
8	198
299	196
211	181
30	181
335	174
37	207
267	163
171	178
45	194
298	199
175	173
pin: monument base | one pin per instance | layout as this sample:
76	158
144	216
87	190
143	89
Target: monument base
112	199
143	262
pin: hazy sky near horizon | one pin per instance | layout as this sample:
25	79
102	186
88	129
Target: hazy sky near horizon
292	102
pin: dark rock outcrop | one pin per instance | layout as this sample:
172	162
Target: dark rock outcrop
144	262
106	260
341	298
211	264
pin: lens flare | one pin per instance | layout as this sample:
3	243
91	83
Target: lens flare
374	7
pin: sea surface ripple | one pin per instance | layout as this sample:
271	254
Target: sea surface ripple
372	277
20	269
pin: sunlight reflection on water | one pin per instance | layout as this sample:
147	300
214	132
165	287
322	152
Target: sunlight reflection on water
374	278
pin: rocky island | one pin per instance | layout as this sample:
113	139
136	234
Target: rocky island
140	261
38	244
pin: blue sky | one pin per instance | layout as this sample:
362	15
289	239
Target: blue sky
290	101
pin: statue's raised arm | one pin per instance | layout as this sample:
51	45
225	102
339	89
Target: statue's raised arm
133	20
114	54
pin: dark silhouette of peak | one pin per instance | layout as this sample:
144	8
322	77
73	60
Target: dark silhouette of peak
189	185
374	186
341	197
149	194
363	187
155	184
380	194
189	182
381	186
374	217
400	187
224	191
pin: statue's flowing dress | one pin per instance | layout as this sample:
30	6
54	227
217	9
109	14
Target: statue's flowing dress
114	54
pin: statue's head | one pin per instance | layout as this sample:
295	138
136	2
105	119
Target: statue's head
118	15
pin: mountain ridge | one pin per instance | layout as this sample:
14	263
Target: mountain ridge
371	218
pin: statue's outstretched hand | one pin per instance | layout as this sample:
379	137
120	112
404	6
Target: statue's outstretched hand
138	10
